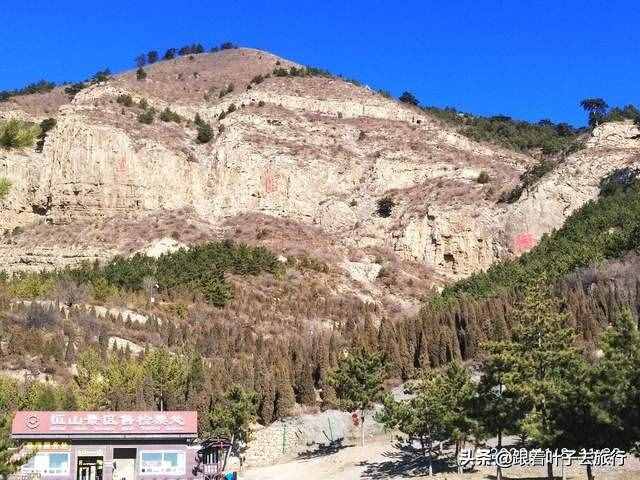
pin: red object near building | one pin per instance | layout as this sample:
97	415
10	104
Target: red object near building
355	419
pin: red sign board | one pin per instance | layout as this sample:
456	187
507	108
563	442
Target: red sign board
27	423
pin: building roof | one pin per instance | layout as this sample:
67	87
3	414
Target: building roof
104	424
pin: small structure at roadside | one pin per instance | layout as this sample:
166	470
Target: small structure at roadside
108	445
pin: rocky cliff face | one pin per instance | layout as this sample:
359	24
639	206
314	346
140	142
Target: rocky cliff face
315	150
569	186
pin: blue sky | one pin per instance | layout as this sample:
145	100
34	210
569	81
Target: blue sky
525	58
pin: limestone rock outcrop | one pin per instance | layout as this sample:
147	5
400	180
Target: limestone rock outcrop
316	150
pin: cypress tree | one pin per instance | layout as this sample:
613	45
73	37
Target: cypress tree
284	395
305	390
358	383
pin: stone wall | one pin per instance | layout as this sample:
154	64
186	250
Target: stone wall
302	435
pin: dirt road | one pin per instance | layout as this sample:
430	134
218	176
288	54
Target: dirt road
380	460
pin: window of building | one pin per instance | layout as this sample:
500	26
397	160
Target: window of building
156	462
49	463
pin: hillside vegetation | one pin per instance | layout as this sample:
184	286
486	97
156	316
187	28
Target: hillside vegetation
549	137
604	228
197	271
294	327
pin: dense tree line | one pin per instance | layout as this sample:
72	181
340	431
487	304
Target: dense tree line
541	383
199	270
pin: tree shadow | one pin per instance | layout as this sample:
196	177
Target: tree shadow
506	477
324	449
406	461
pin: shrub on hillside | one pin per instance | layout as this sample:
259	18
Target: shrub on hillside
40	318
5	187
45	125
530	177
147	117
226	90
280	72
73	89
167	115
619	179
125	99
483	177
140	60
410	98
385	206
141	74
18	134
258	79
30	285
101	76
69	292
205	133
152	56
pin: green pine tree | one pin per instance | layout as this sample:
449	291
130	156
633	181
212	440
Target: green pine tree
423	416
231	416
164	375
358	383
545	361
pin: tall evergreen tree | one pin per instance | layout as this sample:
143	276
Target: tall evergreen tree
458	393
498	409
141	60
231	416
358	382
596	108
423	416
152	57
285	398
7	448
164	375
545	361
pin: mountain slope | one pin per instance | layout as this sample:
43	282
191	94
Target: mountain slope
314	149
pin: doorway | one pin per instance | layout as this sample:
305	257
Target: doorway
124	463
89	468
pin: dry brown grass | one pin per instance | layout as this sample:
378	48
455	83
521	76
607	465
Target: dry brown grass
172	135
188	80
123	233
38	104
314	260
280	235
